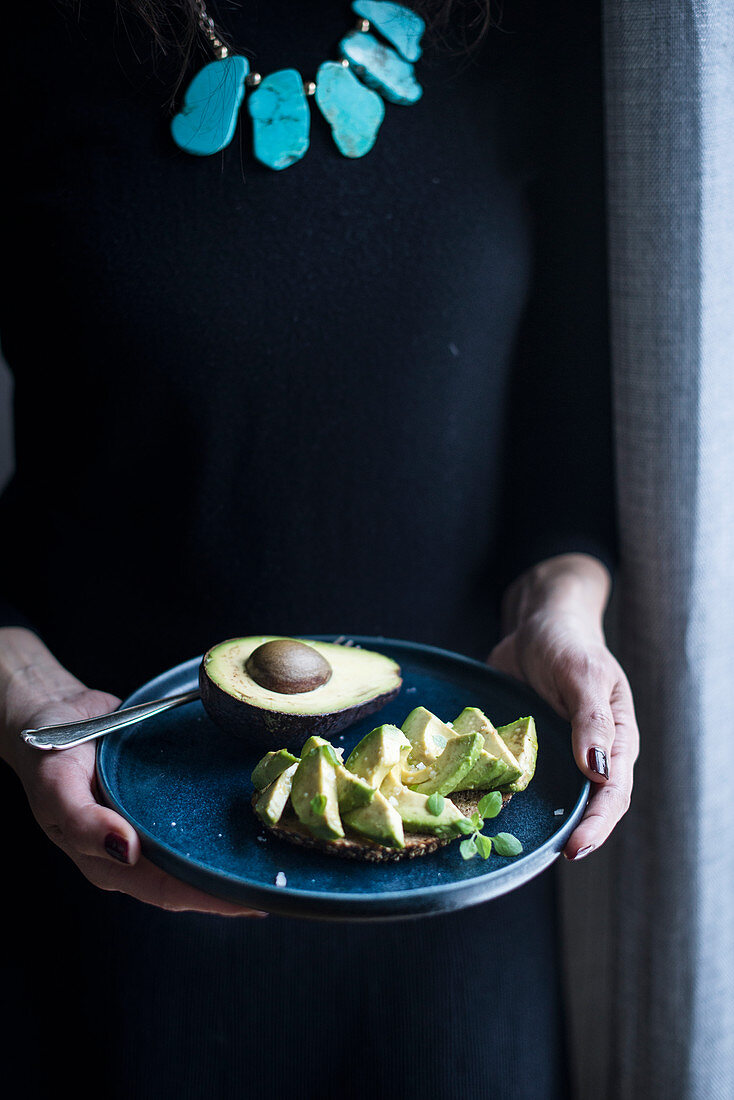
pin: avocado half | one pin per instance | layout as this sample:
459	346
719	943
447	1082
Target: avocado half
361	682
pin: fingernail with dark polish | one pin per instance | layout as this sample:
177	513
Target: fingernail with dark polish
116	846
598	763
582	852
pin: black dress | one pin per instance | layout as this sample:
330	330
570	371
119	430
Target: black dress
352	396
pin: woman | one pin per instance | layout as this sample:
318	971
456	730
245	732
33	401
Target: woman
356	395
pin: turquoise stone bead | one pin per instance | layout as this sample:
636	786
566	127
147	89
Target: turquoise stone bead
207	120
280	119
399	25
354	112
381	68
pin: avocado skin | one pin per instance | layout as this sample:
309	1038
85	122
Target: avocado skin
273	730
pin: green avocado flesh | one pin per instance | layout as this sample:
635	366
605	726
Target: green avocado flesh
427	734
335	754
522	740
271	766
371	793
415	814
488	774
506	770
456	761
358	676
272	800
377	753
352	791
314	794
378	821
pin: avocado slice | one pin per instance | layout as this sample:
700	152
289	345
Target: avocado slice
271	801
427	734
351	791
488	773
473	720
456	761
332	750
377	753
361	682
415	815
522	740
379	821
412	808
314	794
270	767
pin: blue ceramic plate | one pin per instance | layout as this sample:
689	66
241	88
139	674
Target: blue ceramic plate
185	787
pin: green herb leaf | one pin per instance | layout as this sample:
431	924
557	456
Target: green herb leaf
434	805
491	804
505	844
468	848
318	803
465	826
484	845
477	820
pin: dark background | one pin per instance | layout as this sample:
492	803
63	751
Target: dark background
6	435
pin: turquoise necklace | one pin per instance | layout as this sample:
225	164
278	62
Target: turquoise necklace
348	92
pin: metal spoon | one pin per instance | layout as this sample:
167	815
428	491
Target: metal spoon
68	734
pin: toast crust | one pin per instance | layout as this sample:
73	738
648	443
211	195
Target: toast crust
354	846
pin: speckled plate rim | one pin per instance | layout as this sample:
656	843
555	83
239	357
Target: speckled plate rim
335	905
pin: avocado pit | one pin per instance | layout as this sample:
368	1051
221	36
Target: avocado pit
288	667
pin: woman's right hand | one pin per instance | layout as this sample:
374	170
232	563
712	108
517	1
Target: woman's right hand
35	690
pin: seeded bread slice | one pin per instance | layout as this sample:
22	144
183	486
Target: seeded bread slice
353	846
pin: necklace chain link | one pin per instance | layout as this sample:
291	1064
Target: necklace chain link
207	25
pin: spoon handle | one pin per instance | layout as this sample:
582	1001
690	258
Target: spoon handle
68	734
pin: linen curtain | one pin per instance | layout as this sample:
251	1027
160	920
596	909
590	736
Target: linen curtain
649	921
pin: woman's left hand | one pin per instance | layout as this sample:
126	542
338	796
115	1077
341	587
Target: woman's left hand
554	641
